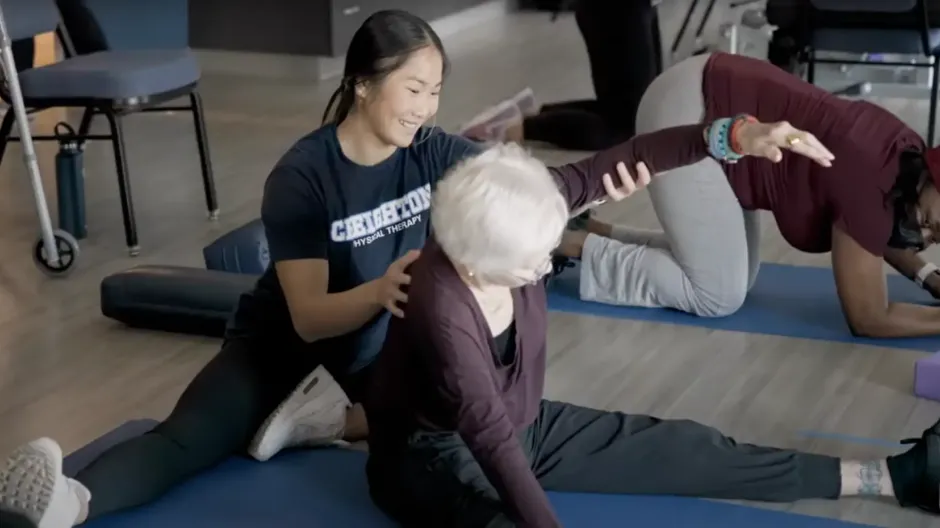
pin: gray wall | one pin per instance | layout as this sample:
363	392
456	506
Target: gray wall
296	27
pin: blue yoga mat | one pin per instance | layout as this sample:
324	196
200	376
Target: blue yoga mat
793	301
326	488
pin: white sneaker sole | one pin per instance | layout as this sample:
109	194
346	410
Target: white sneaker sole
32	481
520	100
274	434
490	113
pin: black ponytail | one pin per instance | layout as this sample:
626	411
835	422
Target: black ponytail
903	197
344	97
912	172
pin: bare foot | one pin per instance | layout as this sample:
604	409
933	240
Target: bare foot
356	426
514	132
572	244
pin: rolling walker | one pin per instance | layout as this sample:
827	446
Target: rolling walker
56	251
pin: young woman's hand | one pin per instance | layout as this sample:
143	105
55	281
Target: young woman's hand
769	140
388	287
626	185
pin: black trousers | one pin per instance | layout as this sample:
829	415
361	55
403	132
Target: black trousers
624	49
437	482
215	418
24	53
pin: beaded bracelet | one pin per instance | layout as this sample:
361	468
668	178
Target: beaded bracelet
739	120
722	144
719	145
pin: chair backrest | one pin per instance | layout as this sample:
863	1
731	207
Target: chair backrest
915	12
130	25
28	18
865	6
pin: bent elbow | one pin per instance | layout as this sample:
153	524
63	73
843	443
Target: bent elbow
305	334
300	319
869	325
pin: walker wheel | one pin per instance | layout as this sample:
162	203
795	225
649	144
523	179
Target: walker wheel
68	254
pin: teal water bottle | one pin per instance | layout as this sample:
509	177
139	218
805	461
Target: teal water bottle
70	181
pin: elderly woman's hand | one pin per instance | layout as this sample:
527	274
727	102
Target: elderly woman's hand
768	140
627	185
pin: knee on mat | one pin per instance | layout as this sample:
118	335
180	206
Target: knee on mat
718	304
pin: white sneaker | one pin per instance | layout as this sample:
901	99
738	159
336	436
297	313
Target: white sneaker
491	124
526	102
313	415
32	485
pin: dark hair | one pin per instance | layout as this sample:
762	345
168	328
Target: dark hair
903	196
380	46
912	171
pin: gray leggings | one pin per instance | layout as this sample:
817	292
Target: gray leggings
437	481
707	256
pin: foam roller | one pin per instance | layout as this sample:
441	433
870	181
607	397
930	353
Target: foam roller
927	377
174	298
242	250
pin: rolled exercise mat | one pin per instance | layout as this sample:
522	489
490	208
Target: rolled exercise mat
173	298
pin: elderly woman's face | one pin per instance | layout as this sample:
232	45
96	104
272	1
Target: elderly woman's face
520	277
535	273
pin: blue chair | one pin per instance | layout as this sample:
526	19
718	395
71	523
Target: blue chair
917	39
110	83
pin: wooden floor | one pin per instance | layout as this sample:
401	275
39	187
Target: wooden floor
68	373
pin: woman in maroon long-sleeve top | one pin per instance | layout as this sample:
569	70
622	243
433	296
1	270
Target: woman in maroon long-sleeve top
459	433
877	203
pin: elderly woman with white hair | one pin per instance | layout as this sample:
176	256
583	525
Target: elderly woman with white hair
460	435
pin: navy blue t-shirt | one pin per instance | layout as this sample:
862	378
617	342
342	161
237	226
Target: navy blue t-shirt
318	204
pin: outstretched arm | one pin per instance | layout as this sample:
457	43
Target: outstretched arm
581	183
727	139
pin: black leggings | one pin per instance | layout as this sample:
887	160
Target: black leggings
24	54
624	49
82	27
215	418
